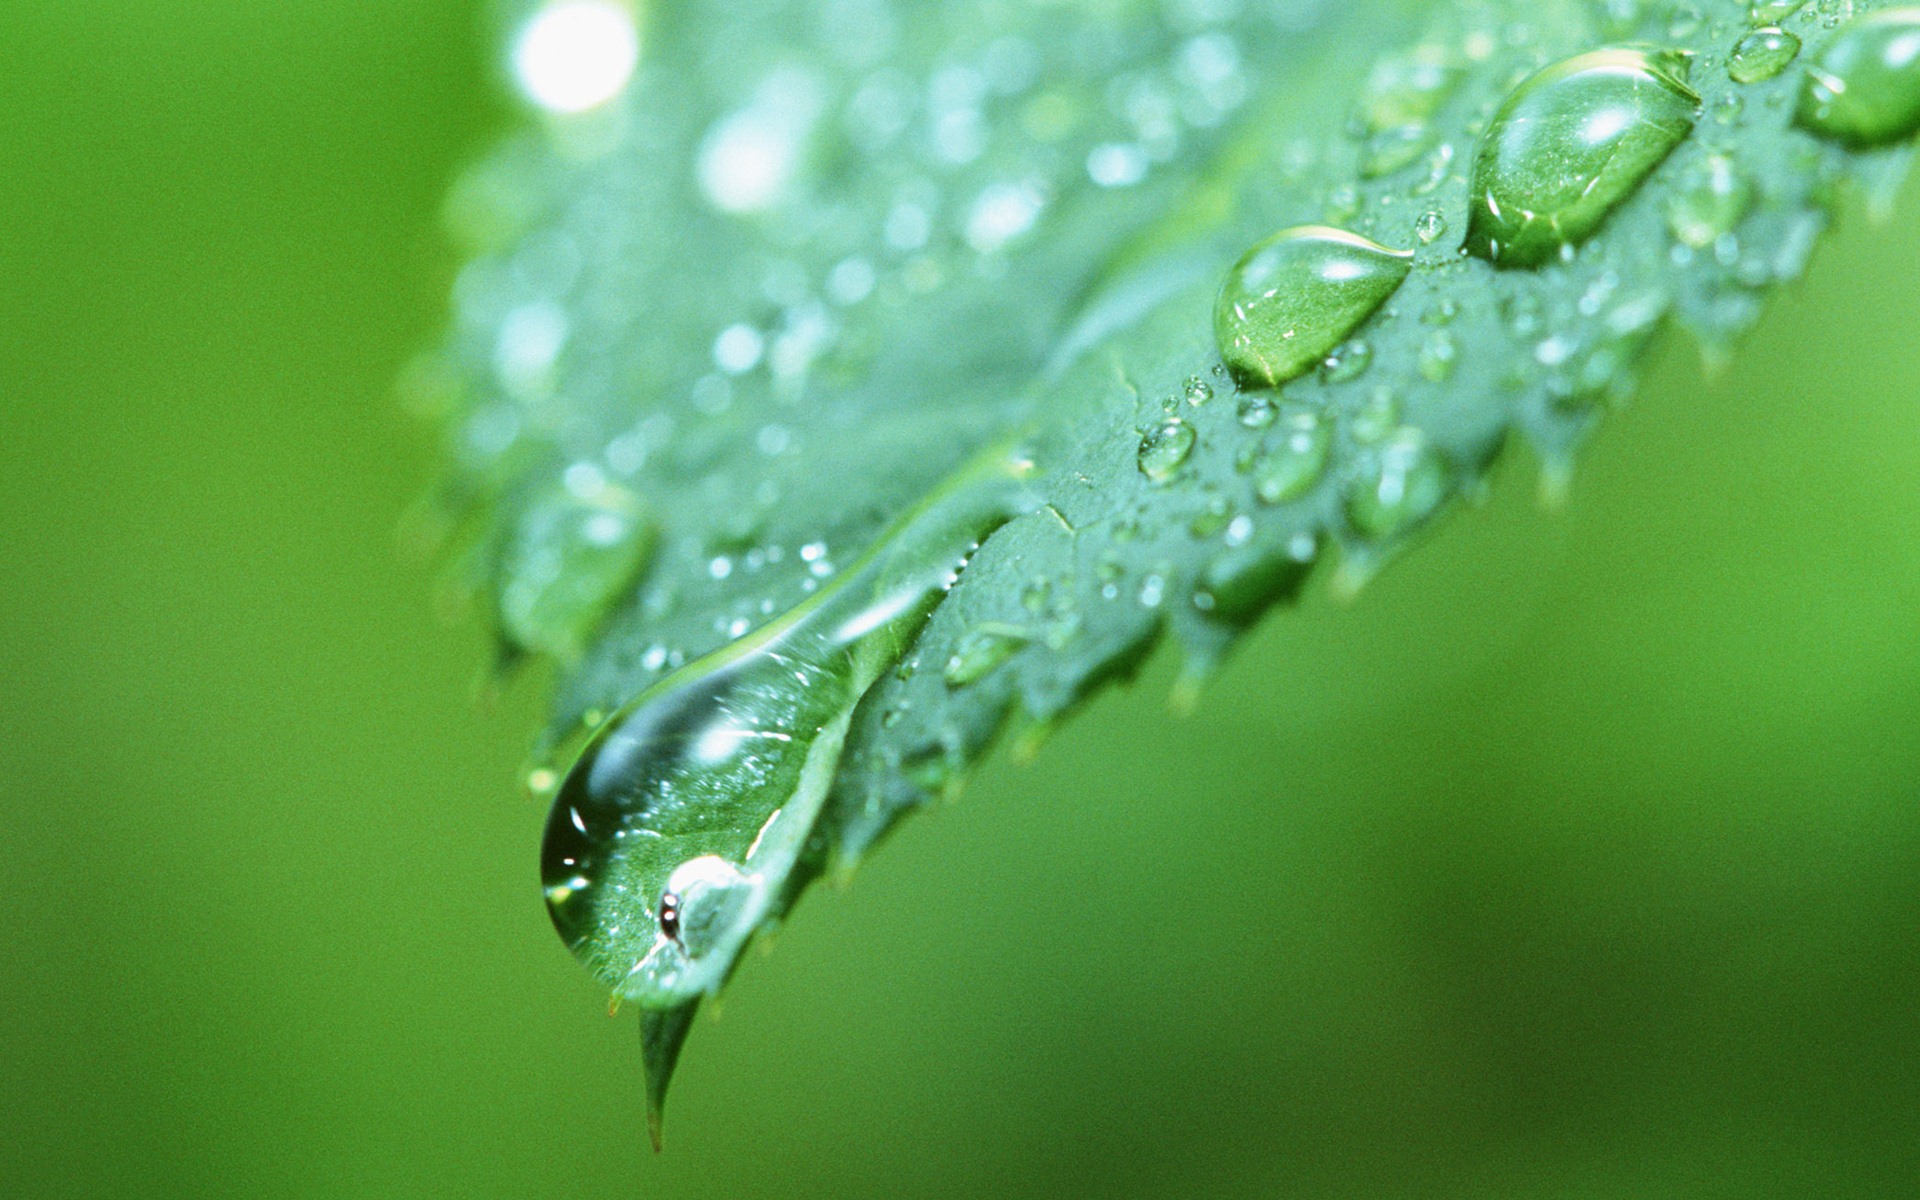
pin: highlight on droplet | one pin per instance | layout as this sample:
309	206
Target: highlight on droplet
575	55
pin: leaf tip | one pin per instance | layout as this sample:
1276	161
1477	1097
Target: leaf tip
663	1032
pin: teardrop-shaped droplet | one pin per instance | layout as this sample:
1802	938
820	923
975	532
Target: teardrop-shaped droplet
1297	295
980	651
1865	90
1709	204
1762	54
1569	146
1164	449
572	555
1294	465
673	835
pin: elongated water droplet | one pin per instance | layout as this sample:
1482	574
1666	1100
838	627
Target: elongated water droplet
1293	466
1569	146
673	834
1865	90
1297	295
980	651
1710	204
1409	479
1761	55
573	554
1164	450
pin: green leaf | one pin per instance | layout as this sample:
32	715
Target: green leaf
815	260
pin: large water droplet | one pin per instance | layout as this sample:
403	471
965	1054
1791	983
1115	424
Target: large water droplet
1297	295
1569	146
1164	450
725	763
1865	90
1761	55
1408	480
573	554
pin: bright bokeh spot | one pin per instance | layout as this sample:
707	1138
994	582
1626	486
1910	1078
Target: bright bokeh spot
576	54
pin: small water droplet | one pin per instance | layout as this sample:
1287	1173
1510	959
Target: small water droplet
1164	450
1199	391
1258	412
1437	355
1761	55
1430	227
1865	90
980	651
1348	360
1211	519
570	557
1407	481
1710	204
1294	464
1297	295
1569	145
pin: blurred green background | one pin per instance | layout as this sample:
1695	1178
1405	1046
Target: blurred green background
1580	857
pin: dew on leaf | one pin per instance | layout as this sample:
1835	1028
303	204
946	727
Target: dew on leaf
736	732
1164	450
979	651
1430	227
1569	145
1437	355
1295	463
1257	412
1348	360
1710	204
1762	54
1406	481
1297	295
1865	90
571	556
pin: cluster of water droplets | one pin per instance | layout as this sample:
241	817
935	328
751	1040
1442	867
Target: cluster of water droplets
884	175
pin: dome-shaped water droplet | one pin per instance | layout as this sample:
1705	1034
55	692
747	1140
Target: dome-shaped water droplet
1258	412
1865	90
1437	355
1164	450
1569	146
1294	464
1431	227
980	651
573	554
1709	204
1297	295
1348	360
1408	479
1761	55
